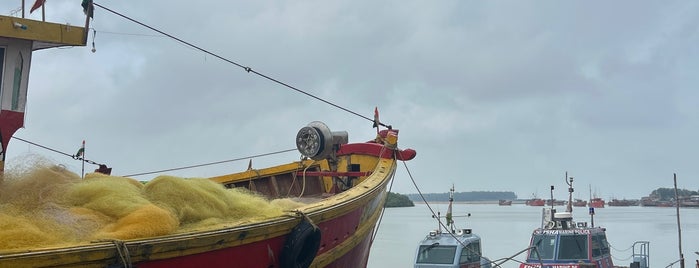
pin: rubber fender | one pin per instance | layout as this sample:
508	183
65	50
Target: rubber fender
301	246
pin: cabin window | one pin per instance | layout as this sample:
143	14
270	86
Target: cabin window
471	253
17	82
2	66
545	246
572	247
599	245
436	254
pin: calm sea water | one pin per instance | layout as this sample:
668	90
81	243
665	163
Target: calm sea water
506	230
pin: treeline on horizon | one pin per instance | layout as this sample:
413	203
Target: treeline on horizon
667	194
663	194
465	196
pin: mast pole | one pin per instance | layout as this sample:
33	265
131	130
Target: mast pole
83	161
679	229
569	208
89	10
551	196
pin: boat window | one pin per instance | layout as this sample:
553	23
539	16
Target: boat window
604	245
436	254
545	246
2	66
596	246
17	84
572	247
471	253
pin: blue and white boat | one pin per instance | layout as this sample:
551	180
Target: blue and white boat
458	248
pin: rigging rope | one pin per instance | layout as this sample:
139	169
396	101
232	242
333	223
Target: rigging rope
152	172
123	252
621	259
511	258
211	163
76	157
245	68
434	215
620	250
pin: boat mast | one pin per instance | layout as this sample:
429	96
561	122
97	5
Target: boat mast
569	208
679	230
450	220
18	39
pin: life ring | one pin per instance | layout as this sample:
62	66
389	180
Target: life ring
301	245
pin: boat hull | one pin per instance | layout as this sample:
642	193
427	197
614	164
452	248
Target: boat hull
346	220
536	202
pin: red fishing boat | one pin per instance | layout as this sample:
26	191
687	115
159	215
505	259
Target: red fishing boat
535	201
338	190
596	202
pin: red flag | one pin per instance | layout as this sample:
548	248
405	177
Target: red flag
376	117
37	5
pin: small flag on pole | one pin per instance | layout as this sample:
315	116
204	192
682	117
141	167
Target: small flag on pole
88	9
376	117
37	5
81	151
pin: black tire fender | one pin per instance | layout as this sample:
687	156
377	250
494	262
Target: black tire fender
301	246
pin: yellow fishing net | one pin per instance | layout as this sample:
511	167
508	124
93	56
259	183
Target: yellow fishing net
47	205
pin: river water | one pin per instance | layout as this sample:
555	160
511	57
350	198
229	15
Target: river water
506	230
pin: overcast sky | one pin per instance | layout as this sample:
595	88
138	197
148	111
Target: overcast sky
493	95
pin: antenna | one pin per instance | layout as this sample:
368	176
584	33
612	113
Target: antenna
569	208
551	196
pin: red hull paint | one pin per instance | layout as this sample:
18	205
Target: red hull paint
10	121
536	202
357	257
376	149
596	203
250	255
266	253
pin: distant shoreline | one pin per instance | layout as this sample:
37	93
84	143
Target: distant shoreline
486	202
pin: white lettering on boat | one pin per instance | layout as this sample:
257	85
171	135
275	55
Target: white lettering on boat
570	231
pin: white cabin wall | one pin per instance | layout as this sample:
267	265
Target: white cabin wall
13	48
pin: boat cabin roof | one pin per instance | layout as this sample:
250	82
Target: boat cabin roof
446	249
445	238
587	245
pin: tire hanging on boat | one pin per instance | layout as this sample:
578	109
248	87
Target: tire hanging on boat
301	245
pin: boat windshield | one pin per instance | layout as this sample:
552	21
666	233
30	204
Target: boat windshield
436	254
545	246
600	246
572	247
471	253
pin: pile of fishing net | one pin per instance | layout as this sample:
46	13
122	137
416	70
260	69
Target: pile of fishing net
47	205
